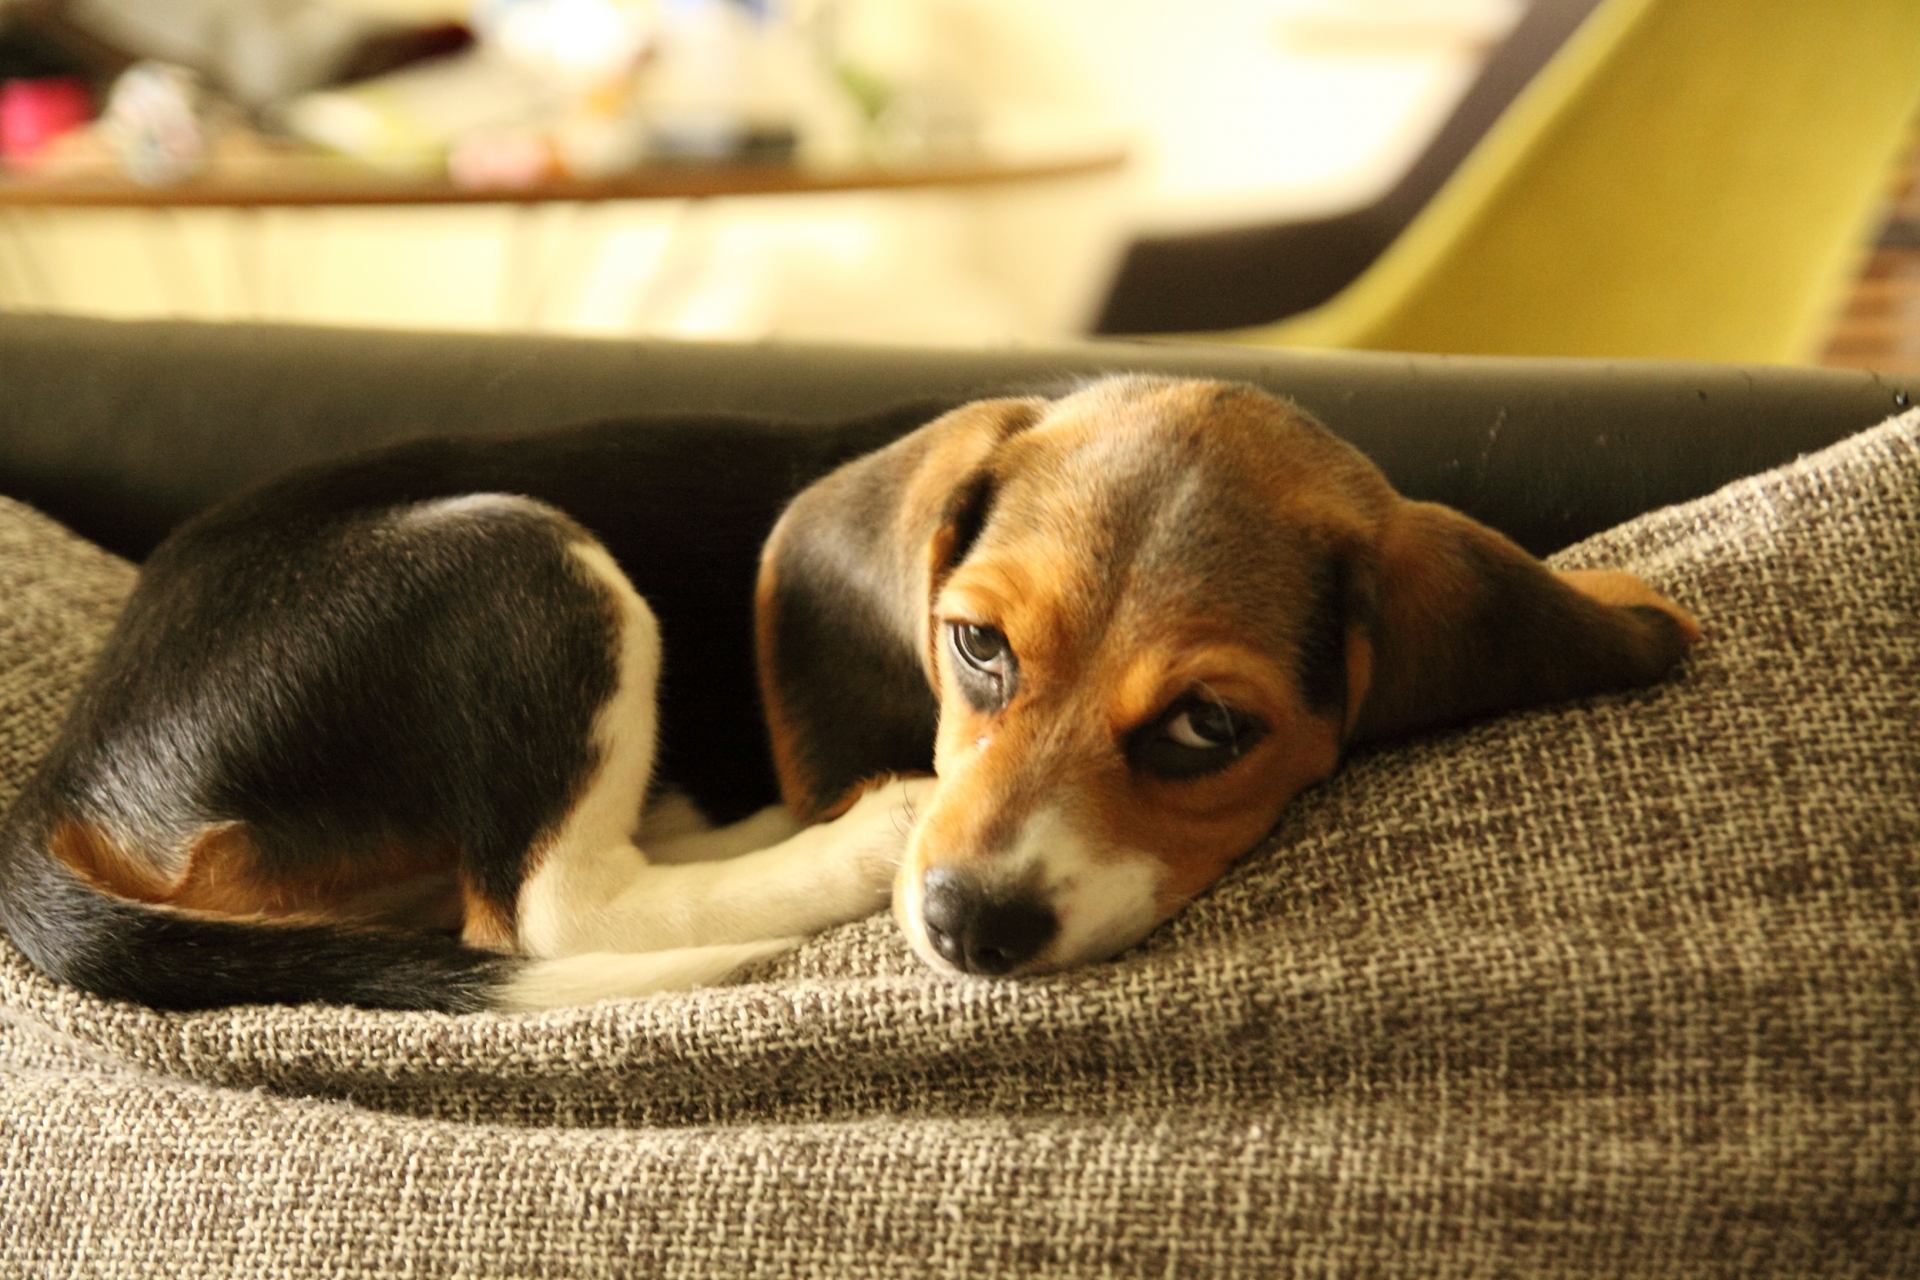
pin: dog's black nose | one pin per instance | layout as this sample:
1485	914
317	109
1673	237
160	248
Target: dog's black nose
981	932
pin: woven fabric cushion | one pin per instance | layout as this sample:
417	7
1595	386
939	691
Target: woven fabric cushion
1625	987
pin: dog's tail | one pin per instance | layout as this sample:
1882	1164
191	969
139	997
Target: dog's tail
167	958
172	959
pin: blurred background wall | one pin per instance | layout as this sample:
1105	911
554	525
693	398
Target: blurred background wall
1227	113
1227	110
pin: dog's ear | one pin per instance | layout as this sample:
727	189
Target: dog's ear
946	500
841	620
1448	620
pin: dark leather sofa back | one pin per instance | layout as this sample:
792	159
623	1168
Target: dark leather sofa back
121	430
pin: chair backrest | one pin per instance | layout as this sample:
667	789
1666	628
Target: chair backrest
1686	178
1223	279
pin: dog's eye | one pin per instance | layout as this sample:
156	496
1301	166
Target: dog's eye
982	647
1204	726
1196	736
987	671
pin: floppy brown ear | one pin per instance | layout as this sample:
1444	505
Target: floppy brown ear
1459	622
841	608
945	500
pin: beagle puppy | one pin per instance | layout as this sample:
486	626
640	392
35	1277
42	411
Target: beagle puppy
1135	622
385	732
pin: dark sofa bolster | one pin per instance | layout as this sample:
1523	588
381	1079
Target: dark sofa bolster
121	430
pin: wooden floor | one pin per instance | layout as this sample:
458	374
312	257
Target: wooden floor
1880	328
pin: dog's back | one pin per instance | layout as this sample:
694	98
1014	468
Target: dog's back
309	718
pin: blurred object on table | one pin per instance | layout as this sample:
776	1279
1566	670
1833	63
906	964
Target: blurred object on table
36	112
162	123
585	89
260	52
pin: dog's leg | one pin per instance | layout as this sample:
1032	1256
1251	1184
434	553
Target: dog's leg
586	896
602	975
611	923
675	831
684	843
603	919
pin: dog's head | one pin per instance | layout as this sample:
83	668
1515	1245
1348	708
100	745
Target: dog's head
1153	612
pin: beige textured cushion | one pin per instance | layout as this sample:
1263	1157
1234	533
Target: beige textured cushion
1627	987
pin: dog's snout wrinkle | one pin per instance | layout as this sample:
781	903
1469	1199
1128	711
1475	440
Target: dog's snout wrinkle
978	931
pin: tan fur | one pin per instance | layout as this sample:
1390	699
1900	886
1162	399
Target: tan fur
222	875
797	784
484	923
1623	590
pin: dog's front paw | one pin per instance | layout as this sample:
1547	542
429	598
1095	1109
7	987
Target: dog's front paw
870	837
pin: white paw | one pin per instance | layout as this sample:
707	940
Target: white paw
607	975
870	838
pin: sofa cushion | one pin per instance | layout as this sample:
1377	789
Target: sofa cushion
61	595
1626	986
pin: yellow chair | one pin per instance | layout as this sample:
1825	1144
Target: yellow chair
1685	178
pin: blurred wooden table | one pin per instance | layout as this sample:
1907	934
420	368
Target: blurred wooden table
288	180
248	184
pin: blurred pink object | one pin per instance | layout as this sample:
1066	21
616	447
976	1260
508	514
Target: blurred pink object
501	159
35	112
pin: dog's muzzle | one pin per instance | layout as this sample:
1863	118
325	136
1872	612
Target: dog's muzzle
977	930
